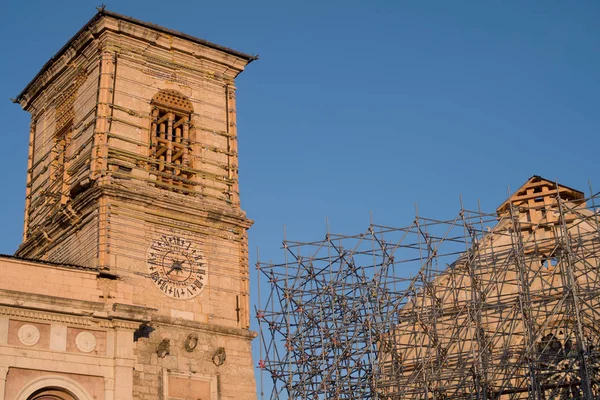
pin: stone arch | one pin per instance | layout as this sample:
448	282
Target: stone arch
51	394
559	365
53	385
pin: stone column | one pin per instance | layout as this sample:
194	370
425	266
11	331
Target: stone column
109	388
124	361
3	373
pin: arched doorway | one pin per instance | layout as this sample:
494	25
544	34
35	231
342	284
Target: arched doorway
51	394
53	387
561	371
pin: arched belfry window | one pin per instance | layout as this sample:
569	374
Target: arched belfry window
170	144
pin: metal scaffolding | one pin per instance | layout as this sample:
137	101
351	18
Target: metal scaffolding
479	306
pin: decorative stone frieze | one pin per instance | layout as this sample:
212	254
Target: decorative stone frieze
45	316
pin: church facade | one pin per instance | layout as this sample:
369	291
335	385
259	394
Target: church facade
513	317
132	278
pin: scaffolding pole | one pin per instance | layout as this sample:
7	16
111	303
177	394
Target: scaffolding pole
480	306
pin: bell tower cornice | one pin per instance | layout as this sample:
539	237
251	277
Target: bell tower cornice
107	21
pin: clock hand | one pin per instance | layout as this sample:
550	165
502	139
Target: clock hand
175	266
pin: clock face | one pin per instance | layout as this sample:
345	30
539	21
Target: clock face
176	267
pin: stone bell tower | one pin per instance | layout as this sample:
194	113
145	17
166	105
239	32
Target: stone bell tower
133	170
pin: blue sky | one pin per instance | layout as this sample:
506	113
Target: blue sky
362	106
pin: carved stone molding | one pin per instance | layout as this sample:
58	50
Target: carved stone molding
132	325
46	381
69	319
45	316
109	383
41	301
203	327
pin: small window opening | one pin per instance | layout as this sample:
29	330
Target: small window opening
549	262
